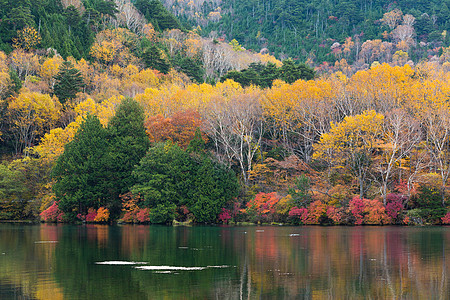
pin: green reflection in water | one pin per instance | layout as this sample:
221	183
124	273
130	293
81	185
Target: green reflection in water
60	262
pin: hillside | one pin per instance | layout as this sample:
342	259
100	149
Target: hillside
316	31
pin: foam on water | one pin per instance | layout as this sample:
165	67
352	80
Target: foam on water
159	269
120	263
170	268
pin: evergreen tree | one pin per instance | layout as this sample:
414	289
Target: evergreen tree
290	72
128	144
80	172
168	177
154	58
155	12
69	82
190	67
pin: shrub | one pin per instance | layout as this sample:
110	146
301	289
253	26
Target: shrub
368	211
263	206
224	216
298	215
375	213
52	214
394	207
336	214
356	207
102	215
130	207
414	216
317	212
282	208
130	216
446	219
90	217
162	214
429	202
143	215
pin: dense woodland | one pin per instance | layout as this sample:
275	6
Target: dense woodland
149	122
325	31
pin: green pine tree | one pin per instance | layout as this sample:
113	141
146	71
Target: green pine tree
128	144
69	82
81	172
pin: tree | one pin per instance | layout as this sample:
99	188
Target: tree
13	190
168	177
27	39
351	143
215	185
155	58
128	144
392	18
162	179
68	82
30	116
401	134
180	128
236	128
80	172
290	72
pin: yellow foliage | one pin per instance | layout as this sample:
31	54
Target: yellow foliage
113	46
31	115
50	68
27	39
354	133
52	144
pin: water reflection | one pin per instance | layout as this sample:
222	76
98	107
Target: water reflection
59	262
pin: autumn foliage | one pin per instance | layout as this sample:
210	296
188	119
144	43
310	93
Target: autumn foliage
355	136
179	129
52	214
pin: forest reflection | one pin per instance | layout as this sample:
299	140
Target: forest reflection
59	262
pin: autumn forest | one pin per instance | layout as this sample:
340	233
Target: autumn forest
146	120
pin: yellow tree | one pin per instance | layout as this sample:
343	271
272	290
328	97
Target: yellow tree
350	143
5	79
50	68
52	144
24	63
30	116
114	47
27	39
299	113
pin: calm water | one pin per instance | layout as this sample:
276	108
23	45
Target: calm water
155	262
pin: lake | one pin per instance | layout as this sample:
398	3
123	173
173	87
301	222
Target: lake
259	262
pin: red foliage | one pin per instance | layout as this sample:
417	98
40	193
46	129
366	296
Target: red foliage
224	216
52	214
337	214
92	213
143	216
394	205
264	203
301	213
446	219
368	211
130	216
356	206
316	210
402	188
130	207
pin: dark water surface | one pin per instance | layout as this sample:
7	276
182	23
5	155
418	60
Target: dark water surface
156	262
